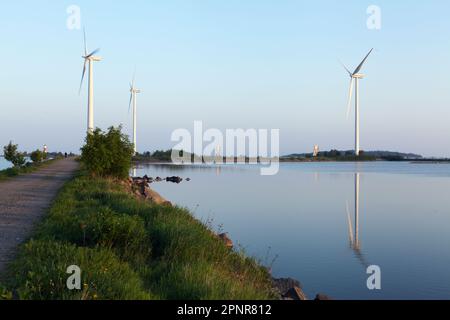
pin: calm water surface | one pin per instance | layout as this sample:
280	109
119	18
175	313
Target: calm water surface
324	223
4	164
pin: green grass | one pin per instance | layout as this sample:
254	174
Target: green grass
129	249
29	168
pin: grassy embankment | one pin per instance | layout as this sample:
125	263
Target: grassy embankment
29	168
128	249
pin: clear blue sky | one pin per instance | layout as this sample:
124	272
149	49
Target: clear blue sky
230	63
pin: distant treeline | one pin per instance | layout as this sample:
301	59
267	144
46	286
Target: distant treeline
56	154
157	156
166	156
349	155
332	155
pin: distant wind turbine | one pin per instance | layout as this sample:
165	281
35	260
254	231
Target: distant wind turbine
354	82
133	97
89	59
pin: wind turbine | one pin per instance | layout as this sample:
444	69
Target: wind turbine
133	97
89	59
354	82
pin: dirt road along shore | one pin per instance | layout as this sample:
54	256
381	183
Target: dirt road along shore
24	200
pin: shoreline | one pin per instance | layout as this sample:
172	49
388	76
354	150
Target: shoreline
424	161
286	288
133	248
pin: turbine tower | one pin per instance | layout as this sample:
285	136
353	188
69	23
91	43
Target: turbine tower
89	59
354	82
133	97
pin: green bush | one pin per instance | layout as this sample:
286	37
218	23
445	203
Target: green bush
37	156
10	172
40	274
107	153
12	155
5	294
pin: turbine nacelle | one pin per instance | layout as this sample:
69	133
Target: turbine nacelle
95	58
91	57
358	76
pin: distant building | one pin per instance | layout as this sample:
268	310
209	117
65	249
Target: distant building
316	151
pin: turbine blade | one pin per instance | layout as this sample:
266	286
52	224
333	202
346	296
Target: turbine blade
93	52
131	100
134	77
82	76
346	69
362	63
350	93
350	227
85	43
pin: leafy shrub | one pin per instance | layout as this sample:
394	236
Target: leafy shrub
12	155
37	156
5	294
10	172
107	153
40	274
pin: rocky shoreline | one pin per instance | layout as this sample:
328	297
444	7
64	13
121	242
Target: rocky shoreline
285	288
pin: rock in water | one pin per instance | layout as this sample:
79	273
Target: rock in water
174	179
322	297
295	293
283	285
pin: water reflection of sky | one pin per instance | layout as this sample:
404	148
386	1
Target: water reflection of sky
4	164
301	215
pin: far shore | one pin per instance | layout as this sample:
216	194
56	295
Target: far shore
415	161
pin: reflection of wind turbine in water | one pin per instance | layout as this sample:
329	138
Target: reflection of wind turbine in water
355	245
217	156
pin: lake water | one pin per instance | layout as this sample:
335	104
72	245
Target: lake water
4	164
326	222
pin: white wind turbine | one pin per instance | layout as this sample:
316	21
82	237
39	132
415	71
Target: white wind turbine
89	59
133	97
354	81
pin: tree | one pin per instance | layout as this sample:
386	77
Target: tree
37	156
334	153
12	155
107	153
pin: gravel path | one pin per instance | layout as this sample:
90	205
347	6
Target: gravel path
23	202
